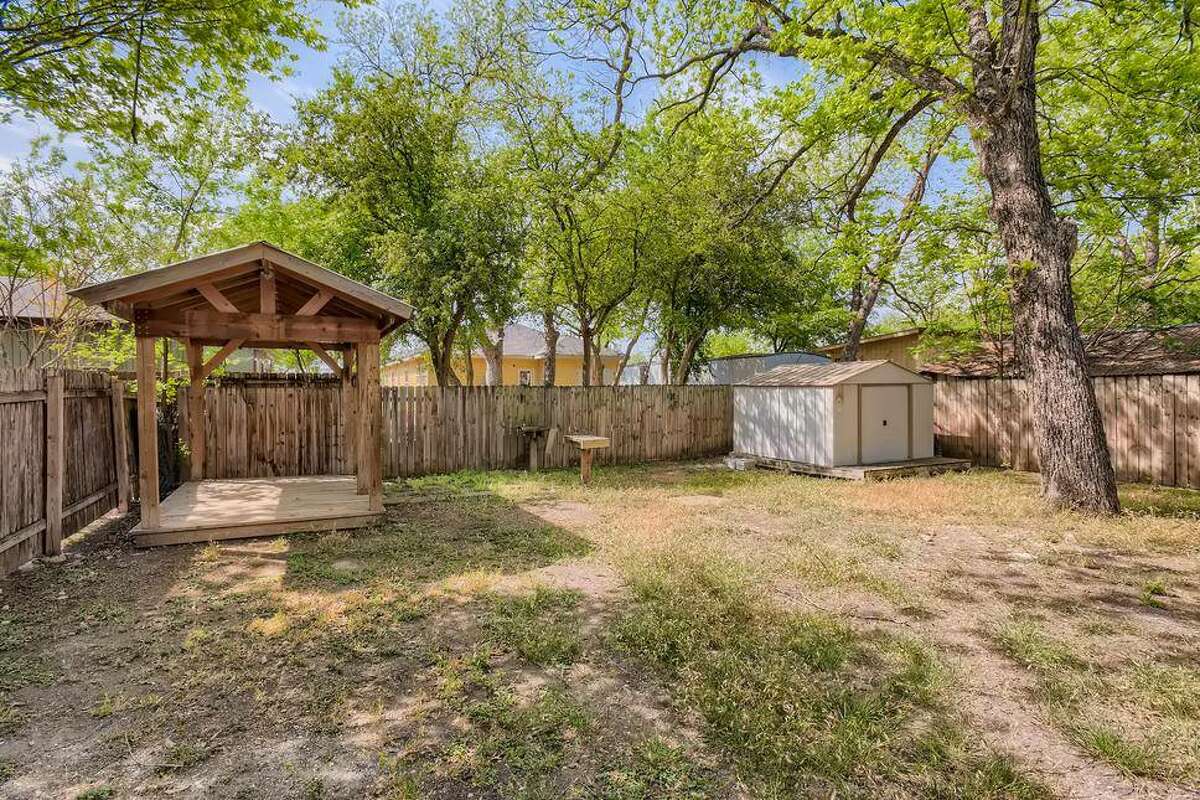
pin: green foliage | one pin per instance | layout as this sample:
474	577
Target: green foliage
718	255
164	194
431	215
113	67
54	235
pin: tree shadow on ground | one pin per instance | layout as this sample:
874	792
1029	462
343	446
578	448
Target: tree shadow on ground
324	665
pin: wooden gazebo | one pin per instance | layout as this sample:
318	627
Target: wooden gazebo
255	296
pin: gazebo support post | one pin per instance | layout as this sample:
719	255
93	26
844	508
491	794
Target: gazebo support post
147	416
196	415
370	440
349	408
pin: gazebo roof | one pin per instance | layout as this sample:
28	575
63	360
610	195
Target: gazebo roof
229	286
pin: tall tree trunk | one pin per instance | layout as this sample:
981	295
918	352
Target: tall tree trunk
550	359
585	333
597	363
864	304
684	365
468	362
493	355
1075	465
441	355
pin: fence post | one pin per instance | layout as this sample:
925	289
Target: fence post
54	464
120	446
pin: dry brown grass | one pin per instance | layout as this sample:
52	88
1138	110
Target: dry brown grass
508	635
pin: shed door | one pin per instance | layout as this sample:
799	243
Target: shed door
885	420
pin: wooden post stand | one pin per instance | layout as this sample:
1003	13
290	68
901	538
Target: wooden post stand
536	434
587	445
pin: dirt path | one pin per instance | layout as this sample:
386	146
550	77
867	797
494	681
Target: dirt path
996	693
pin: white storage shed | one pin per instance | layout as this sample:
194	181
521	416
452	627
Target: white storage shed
832	415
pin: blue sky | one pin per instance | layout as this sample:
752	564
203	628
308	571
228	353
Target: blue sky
310	72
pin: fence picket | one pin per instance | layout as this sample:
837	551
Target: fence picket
1151	424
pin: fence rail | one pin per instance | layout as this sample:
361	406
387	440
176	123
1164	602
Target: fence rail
63	435
300	429
1151	422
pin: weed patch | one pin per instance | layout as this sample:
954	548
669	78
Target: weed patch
541	627
799	700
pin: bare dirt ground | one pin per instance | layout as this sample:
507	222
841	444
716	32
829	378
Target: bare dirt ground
518	636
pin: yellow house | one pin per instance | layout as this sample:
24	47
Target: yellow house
521	365
895	347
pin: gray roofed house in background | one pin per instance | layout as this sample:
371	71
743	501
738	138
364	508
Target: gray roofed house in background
1135	351
725	371
39	322
522	341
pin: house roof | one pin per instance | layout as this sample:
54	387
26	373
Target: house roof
883	337
38	300
234	273
880	371
1142	351
522	341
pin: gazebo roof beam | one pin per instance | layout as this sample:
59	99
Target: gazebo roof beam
203	324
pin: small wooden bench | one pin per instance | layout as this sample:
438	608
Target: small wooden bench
586	444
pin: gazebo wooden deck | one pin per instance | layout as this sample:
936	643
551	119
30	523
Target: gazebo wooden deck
255	296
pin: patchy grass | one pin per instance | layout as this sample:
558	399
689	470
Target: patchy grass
671	631
1140	759
1143	718
801	699
542	627
655	770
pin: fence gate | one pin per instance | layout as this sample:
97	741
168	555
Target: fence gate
64	437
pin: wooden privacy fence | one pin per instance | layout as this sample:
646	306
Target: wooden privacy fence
62	437
300	429
1151	422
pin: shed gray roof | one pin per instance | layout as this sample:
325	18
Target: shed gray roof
832	374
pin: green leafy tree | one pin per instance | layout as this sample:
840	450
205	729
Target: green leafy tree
399	146
993	66
168	192
711	265
103	67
